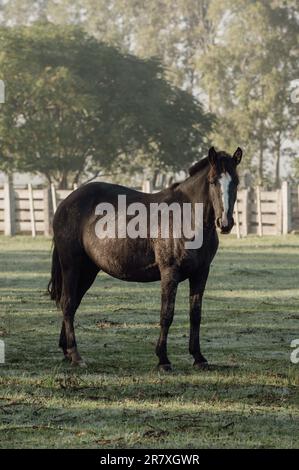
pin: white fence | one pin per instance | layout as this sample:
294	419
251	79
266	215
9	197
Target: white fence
30	210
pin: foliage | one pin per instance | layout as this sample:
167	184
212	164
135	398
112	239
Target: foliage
74	104
240	57
248	74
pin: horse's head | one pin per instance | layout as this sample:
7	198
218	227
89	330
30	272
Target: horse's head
223	183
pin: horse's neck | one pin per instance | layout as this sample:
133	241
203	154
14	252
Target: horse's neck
196	189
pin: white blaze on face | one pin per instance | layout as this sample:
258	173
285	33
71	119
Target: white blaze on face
225	180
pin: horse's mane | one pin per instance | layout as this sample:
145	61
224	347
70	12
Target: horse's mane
201	165
192	170
222	156
198	166
175	185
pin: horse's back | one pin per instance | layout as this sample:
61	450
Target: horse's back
92	193
135	259
81	203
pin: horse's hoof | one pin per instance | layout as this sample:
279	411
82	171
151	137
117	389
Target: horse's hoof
66	357
79	364
164	367
201	365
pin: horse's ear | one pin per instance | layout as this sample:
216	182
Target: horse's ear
237	156
212	156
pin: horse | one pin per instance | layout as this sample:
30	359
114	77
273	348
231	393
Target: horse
79	253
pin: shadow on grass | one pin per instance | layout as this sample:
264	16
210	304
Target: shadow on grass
247	397
114	422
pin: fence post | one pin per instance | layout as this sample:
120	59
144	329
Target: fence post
237	218
245	213
147	186
54	198
279	213
286	208
9	209
47	221
259	211
31	205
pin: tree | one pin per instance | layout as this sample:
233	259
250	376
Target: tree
248	74
22	12
175	31
75	105
239	57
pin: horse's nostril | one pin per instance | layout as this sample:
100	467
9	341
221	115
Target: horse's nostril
224	220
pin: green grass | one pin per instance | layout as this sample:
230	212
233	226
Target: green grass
249	398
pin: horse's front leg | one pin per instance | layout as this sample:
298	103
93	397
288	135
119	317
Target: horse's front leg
197	286
169	283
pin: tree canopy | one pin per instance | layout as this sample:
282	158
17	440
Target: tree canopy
239	57
248	76
74	104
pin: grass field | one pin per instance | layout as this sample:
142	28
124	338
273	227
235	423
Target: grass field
249	398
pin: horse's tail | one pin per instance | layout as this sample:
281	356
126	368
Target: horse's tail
55	284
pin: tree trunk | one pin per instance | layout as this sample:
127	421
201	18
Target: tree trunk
261	155
76	178
63	181
261	165
277	162
49	179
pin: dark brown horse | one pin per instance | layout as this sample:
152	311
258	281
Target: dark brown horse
80	253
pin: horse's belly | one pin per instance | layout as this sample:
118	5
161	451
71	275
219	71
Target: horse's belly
129	260
149	274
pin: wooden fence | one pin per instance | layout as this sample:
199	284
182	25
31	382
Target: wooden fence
30	210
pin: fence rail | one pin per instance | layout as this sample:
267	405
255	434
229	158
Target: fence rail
30	210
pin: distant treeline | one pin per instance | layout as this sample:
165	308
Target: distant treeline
125	96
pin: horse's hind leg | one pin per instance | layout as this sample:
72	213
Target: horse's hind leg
62	340
78	276
169	283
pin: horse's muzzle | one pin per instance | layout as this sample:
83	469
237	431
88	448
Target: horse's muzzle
225	228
